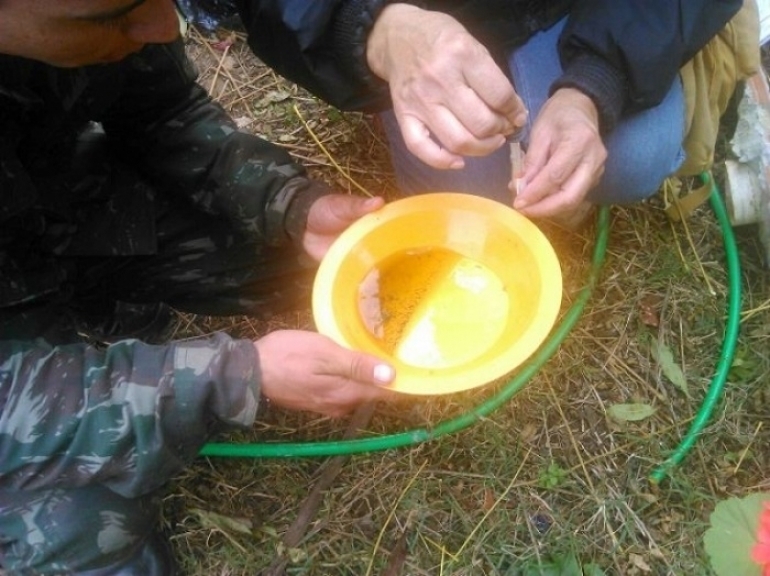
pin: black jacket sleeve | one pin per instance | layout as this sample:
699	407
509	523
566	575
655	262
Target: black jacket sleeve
319	45
625	55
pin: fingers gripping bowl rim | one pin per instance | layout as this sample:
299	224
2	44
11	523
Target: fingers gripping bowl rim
455	290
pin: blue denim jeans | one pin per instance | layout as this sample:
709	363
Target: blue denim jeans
642	150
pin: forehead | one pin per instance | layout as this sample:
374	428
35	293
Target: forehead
71	8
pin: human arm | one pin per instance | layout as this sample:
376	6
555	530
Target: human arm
329	216
449	96
129	416
303	370
626	57
188	145
132	415
307	371
166	126
323	49
606	58
565	157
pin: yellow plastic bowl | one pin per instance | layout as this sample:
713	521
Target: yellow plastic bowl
454	290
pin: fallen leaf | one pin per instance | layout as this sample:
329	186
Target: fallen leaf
489	499
649	310
630	412
649	498
277	95
296	555
528	432
243	121
223	523
639	562
671	370
273	97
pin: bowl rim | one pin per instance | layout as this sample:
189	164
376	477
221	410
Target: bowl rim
437	381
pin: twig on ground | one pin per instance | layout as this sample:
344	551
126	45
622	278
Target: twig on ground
390	516
310	131
497	502
329	471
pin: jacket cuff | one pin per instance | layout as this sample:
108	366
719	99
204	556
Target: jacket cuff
218	376
601	82
354	20
287	212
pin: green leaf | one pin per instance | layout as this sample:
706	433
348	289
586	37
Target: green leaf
269	530
564	565
552	477
732	534
567	565
745	365
630	412
558	566
671	370
570	566
593	570
296	555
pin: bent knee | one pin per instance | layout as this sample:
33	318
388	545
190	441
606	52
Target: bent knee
637	177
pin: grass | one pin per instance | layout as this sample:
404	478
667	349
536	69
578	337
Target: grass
548	478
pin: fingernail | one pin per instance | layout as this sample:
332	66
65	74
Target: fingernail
457	165
521	119
518	203
384	374
371	202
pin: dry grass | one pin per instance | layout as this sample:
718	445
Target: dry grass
548	475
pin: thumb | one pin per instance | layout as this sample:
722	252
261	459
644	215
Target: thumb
359	207
337	211
369	369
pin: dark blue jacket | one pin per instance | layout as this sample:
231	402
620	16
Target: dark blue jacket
623	53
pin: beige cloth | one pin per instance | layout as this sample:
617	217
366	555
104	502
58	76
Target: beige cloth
709	80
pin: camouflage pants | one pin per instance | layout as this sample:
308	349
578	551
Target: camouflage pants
62	518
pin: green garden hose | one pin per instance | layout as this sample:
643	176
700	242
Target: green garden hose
528	370
727	353
417	436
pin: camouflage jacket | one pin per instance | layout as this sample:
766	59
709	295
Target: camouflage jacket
127	416
156	118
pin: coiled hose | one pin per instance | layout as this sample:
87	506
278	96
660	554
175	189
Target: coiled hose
729	342
528	370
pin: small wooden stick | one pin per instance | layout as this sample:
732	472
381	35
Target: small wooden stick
517	166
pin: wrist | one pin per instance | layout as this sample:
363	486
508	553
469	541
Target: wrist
578	99
297	209
352	26
378	43
601	82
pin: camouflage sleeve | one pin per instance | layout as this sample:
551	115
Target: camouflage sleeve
128	416
167	126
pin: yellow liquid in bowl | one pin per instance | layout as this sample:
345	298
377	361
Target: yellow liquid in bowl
434	308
